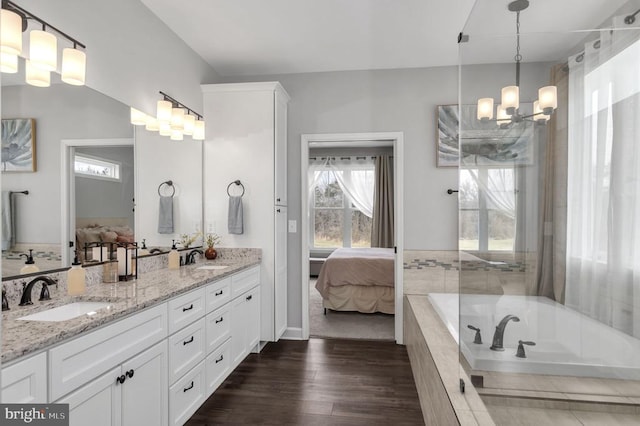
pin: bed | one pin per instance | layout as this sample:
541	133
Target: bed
358	279
105	230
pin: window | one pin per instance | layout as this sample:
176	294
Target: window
98	168
487	209
337	222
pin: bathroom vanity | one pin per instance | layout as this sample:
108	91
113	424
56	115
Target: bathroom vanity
162	344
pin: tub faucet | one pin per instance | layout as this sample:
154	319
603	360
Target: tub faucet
499	333
191	257
44	293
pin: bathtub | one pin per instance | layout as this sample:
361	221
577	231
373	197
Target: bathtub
567	342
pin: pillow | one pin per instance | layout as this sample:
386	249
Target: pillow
108	236
124	238
122	230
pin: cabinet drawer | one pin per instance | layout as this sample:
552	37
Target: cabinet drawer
75	363
186	349
26	381
218	366
185	309
218	294
186	396
218	327
245	280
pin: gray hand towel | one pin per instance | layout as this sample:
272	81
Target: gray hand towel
165	218
235	219
7	221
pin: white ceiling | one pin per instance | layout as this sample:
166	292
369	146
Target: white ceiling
254	37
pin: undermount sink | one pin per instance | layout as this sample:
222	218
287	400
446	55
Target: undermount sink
67	312
212	267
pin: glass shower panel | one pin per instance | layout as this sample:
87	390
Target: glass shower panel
548	311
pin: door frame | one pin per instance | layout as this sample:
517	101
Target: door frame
68	193
397	139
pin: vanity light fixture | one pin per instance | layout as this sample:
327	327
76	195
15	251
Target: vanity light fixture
508	110
152	124
43	48
8	63
189	124
172	119
198	131
138	118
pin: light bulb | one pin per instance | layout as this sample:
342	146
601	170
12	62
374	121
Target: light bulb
548	98
198	131
177	119
163	113
485	109
164	129
43	50
8	63
10	32
74	66
189	124
510	99
138	118
36	76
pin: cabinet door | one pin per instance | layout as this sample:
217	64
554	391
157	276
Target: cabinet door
252	313
26	381
280	154
145	392
98	403
238	331
280	279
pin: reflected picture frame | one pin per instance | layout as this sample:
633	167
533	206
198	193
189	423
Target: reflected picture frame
483	143
18	145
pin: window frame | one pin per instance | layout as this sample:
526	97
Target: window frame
101	162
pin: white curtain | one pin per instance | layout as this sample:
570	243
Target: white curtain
603	211
355	176
499	189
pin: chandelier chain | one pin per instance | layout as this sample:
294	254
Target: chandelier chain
518	56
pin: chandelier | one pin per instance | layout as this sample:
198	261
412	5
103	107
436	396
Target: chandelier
508	111
43	49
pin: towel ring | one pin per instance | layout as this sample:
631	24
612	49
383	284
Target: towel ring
237	182
170	184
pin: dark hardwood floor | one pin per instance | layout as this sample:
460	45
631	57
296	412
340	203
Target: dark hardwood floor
317	382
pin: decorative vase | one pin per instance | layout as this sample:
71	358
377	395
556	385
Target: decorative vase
210	253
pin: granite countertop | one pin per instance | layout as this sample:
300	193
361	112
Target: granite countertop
20	337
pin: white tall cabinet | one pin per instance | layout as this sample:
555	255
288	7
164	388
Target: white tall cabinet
246	140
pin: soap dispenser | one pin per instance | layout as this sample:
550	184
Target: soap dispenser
143	250
76	276
174	256
29	266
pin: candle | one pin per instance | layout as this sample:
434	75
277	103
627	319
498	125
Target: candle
96	254
124	260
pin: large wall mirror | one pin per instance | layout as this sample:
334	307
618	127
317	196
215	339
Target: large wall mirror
89	134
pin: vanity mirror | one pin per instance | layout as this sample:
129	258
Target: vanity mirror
79	121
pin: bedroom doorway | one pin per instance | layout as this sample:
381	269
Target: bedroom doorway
360	148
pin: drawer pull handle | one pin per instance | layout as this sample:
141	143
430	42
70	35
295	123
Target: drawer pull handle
220	359
130	373
219	320
186	342
189	387
121	379
219	293
188	309
249	297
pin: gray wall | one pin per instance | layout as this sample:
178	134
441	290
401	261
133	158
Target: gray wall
103	198
60	112
383	101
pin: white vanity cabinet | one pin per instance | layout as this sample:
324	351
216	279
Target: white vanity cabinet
245	325
26	381
134	393
248	123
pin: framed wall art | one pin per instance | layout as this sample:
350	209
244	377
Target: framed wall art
18	145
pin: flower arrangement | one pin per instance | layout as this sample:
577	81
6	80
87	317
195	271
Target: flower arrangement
186	240
213	239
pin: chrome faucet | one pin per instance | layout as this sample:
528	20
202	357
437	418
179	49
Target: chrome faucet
499	333
191	257
44	293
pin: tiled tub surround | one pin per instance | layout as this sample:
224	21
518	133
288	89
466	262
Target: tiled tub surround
434	271
153	286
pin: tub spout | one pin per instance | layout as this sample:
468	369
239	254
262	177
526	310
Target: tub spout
499	333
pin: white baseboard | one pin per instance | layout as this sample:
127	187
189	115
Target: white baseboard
292	333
